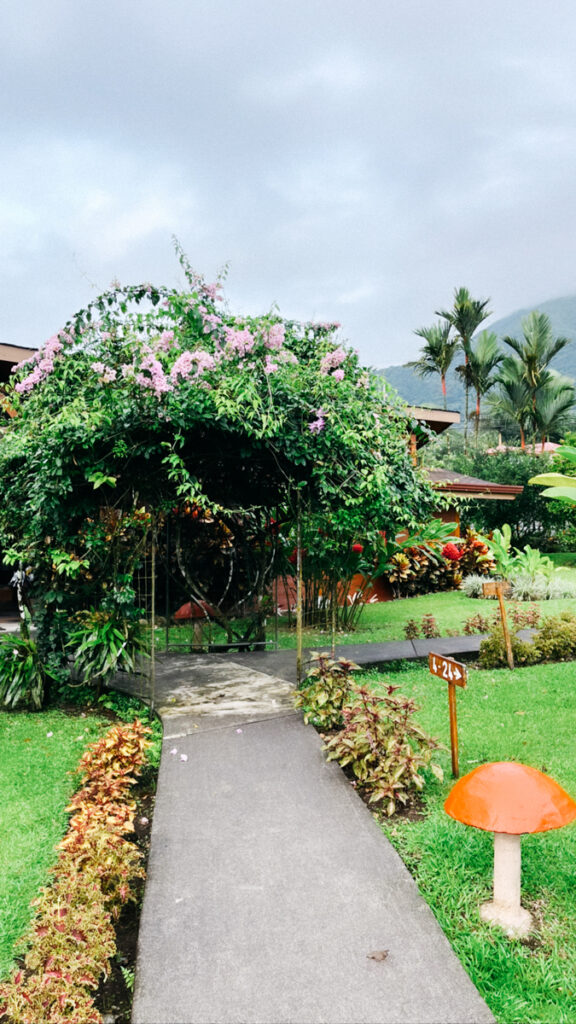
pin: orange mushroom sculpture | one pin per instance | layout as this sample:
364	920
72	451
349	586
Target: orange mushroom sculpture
510	800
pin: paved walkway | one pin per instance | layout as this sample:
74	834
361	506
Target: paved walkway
270	885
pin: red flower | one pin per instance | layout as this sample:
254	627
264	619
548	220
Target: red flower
451	552
293	558
358	548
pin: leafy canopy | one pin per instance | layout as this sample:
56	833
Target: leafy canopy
151	397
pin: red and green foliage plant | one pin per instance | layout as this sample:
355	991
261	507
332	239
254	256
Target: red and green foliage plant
478	624
71	939
383	747
422	568
324	691
427	627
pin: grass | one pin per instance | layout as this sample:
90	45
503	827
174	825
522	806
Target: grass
385	621
527	715
563	558
37	753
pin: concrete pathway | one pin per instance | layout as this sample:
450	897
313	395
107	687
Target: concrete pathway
270	886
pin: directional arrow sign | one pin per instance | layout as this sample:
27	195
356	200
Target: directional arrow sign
454	673
448	669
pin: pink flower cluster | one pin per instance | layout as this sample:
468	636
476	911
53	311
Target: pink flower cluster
107	374
157	381
211	321
276	337
44	365
240	341
319	423
185	364
332	361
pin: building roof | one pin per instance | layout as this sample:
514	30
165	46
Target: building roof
537	449
459	485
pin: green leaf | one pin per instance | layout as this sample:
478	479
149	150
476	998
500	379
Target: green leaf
554	480
568	493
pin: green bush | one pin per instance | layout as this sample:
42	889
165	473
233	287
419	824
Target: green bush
23	677
383	747
556	639
493	650
322	695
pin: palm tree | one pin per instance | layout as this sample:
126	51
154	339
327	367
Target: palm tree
513	401
465	318
478	373
554	404
437	354
537	349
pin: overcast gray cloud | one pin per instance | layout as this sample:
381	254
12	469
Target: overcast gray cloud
351	159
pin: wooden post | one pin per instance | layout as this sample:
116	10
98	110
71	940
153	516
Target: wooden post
454	673
505	630
453	729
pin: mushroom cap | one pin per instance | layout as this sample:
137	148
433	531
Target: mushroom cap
508	797
194	610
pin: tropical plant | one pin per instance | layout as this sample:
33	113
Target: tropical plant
23	676
437	354
465	318
324	691
559	485
537	348
102	643
383	748
513	400
484	356
554	406
543	398
71	939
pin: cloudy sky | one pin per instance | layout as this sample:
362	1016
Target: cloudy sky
352	160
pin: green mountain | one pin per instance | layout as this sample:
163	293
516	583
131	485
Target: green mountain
426	390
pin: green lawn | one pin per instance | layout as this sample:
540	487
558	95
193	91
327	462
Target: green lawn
385	621
37	753
527	715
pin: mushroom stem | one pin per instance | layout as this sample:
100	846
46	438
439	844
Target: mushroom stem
507	865
505	909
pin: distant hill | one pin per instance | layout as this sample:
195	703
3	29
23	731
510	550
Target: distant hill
426	390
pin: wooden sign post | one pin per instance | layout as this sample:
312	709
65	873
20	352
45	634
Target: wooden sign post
496	587
455	674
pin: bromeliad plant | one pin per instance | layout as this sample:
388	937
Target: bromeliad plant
386	751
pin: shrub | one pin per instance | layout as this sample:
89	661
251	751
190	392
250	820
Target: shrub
556	639
383	747
524	618
103	643
475	555
22	675
321	696
412	629
430	626
493	650
477	624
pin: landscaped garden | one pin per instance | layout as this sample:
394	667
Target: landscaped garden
161	452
